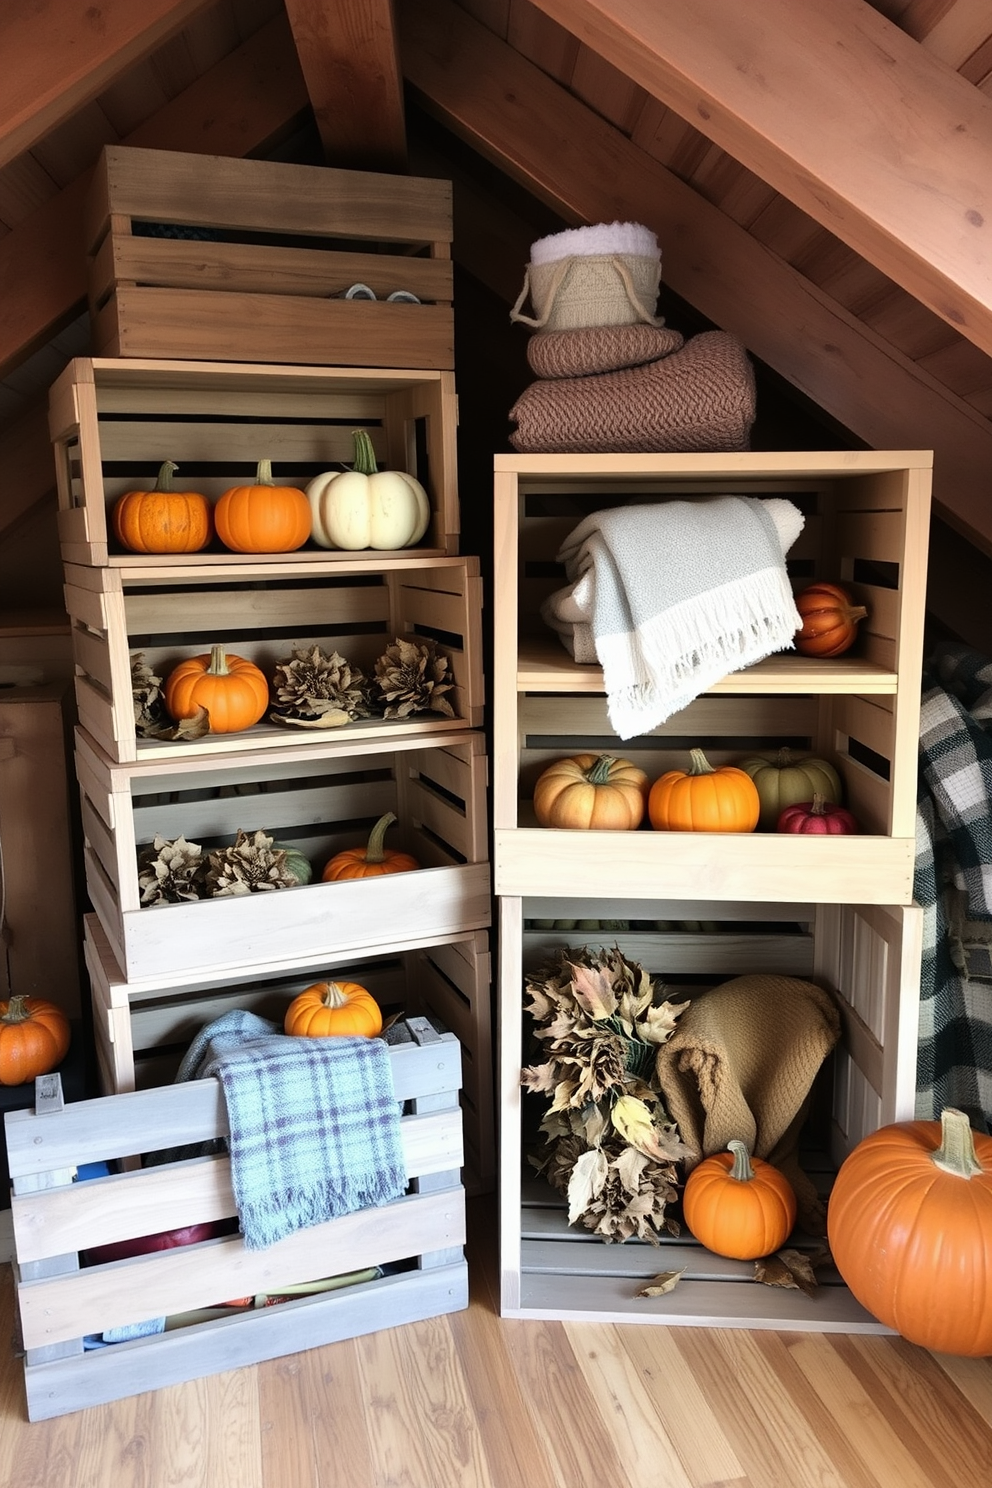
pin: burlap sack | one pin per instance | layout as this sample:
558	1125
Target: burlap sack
580	353
590	290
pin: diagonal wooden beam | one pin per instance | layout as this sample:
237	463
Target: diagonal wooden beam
350	61
234	109
587	171
838	110
58	55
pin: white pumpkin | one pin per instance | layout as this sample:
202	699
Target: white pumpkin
366	507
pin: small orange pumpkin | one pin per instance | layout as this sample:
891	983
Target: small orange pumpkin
163	520
333	1008
232	689
370	861
830	620
264	517
704	799
590	792
34	1038
737	1205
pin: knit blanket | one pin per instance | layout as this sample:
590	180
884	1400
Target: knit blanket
953	884
670	597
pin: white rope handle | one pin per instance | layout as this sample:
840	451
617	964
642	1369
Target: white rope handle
628	284
561	269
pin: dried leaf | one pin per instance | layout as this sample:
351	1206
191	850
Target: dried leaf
593	989
586	1182
787	1268
634	1121
665	1282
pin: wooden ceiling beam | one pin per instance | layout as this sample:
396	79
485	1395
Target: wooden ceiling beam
234	109
841	112
350	62
58	55
587	171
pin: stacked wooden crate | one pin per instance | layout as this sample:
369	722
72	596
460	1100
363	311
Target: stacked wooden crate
696	909
238	268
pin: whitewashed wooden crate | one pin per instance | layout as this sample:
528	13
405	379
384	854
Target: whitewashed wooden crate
319	800
356	609
54	1218
141	1032
866	527
114	420
868	956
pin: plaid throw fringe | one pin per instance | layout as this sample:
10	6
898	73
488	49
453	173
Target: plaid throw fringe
953	884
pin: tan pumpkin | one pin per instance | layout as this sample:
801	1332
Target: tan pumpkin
590	792
788	779
328	1009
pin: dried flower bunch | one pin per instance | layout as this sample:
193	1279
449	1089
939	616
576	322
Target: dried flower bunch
413	678
174	872
151	720
252	865
314	690
611	1147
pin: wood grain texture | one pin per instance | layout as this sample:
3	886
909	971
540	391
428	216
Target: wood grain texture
477	1401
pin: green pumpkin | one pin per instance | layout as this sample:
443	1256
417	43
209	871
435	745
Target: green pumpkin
297	865
787	779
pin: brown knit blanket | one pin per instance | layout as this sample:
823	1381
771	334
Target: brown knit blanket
579	353
741	1064
699	398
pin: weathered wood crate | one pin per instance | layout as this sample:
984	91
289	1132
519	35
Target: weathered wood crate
247	260
416	1241
868	956
316	800
141	1032
169	614
114	421
866	526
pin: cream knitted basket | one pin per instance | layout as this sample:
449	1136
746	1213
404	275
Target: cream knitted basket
606	274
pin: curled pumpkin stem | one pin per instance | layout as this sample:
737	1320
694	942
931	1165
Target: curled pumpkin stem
956	1153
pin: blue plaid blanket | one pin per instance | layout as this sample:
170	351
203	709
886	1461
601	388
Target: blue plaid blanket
953	884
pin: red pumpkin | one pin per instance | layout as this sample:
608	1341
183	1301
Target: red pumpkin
818	817
830	620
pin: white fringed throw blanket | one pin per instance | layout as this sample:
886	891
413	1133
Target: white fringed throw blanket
669	598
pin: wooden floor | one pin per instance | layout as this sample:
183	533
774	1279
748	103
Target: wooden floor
473	1401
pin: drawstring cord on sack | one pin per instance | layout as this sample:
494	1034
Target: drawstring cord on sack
561	269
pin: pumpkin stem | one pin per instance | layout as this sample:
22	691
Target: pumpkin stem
218	663
263	474
956	1153
599	772
741	1168
700	764
17	1012
819	802
364	453
335	995
784	757
374	851
165	471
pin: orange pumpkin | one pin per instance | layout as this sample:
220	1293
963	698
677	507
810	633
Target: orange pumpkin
34	1038
704	799
264	517
589	792
909	1221
370	861
333	1008
232	689
163	520
830	620
737	1205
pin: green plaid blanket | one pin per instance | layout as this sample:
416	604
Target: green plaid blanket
953	884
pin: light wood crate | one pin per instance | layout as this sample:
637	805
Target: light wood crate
319	800
866	526
54	1218
114	421
868	956
141	1033
358	609
275	244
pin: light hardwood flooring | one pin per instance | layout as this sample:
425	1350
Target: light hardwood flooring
476	1401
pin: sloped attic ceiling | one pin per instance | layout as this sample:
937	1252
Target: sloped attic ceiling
819	176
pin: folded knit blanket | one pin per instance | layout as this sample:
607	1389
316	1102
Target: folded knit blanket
592	349
671	597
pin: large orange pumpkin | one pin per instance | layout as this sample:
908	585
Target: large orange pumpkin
163	520
370	861
327	1009
264	517
909	1221
704	799
591	792
830	620
34	1038
233	690
737	1205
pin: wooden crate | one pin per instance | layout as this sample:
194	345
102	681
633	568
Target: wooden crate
114	421
866	527
140	1033
223	259
418	1237
868	956
358	609
319	800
